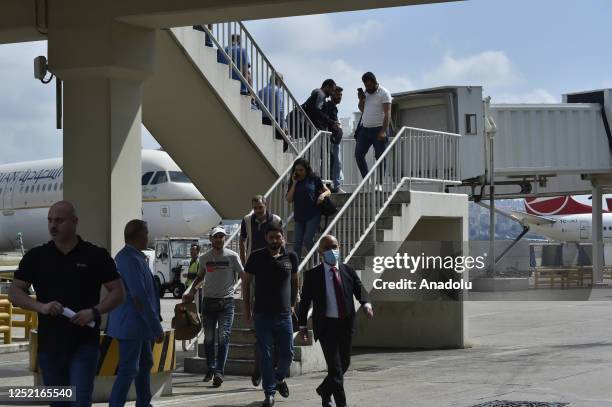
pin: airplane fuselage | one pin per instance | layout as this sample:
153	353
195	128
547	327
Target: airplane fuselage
171	205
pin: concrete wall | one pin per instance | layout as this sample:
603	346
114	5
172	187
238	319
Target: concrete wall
433	224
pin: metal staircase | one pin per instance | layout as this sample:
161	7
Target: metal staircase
372	214
194	107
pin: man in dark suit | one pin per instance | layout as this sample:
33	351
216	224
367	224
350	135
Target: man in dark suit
330	288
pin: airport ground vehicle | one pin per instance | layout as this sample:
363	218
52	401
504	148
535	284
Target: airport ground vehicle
169	262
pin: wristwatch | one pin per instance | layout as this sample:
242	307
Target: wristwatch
96	313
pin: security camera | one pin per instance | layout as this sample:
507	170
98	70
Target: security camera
40	67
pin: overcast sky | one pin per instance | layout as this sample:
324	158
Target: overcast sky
519	50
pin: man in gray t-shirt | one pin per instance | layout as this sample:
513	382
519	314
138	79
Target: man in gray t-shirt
220	269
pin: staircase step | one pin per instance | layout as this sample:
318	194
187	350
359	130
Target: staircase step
244	367
243	336
247	352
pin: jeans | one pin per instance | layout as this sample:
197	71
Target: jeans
305	233
225	318
135	363
274	330
77	368
336	166
367	137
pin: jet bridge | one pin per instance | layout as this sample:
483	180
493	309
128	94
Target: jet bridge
538	149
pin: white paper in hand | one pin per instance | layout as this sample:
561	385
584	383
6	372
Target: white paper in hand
68	313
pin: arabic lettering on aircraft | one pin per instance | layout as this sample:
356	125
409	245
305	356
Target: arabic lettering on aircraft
29	175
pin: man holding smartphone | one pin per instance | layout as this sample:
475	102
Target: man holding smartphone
375	106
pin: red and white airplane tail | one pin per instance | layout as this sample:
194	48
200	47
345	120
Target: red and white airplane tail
557	206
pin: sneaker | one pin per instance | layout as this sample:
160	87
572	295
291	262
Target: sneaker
256	380
208	377
217	380
282	388
268	401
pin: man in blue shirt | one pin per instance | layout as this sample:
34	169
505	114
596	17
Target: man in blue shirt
136	322
240	57
272	96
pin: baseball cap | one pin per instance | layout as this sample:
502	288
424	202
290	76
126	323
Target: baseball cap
218	229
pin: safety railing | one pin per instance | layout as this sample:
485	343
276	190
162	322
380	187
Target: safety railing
248	64
317	152
412	156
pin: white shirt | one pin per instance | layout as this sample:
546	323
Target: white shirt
331	310
373	114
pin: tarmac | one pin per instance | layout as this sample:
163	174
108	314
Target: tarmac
538	351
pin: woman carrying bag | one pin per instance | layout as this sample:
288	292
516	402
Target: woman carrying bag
306	192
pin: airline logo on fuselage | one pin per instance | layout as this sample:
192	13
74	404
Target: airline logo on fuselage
29	175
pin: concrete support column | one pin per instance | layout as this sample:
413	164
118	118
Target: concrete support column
103	68
597	234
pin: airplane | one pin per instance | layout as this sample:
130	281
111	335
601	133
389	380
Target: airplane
171	204
561	218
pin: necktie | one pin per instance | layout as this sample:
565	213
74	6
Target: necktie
339	295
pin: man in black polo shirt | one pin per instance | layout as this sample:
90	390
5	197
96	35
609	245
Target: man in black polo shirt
275	296
67	274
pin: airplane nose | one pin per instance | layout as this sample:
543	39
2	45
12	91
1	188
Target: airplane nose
200	217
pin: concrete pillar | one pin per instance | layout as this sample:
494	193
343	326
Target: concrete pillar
103	68
597	233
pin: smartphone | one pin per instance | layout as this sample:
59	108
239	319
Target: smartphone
360	90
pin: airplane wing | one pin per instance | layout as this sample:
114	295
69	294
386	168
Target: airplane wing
523	218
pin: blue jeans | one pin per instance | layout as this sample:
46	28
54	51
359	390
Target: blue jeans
135	363
77	368
366	138
305	233
336	166
225	319
274	330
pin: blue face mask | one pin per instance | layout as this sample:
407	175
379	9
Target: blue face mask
331	257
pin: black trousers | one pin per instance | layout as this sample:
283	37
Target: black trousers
336	342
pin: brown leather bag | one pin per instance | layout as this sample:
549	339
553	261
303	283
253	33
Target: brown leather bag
186	321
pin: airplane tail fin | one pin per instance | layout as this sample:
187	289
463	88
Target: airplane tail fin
554	206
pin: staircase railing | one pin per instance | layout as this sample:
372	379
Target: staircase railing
317	152
412	156
263	83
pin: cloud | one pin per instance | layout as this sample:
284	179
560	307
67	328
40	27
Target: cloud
492	69
537	95
313	33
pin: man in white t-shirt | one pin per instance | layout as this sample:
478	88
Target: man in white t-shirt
375	105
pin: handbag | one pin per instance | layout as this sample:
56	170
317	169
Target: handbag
186	322
327	207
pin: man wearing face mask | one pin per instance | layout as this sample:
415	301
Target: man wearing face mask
330	288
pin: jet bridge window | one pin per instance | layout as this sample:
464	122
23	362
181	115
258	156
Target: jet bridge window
177	176
146	177
159	178
470	124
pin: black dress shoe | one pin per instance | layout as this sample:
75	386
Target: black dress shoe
208	377
256	380
325	399
268	401
282	388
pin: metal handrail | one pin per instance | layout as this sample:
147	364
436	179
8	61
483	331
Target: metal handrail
414	154
316	151
264	74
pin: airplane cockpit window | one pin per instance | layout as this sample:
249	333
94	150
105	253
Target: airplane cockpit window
177	176
159	178
146	177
